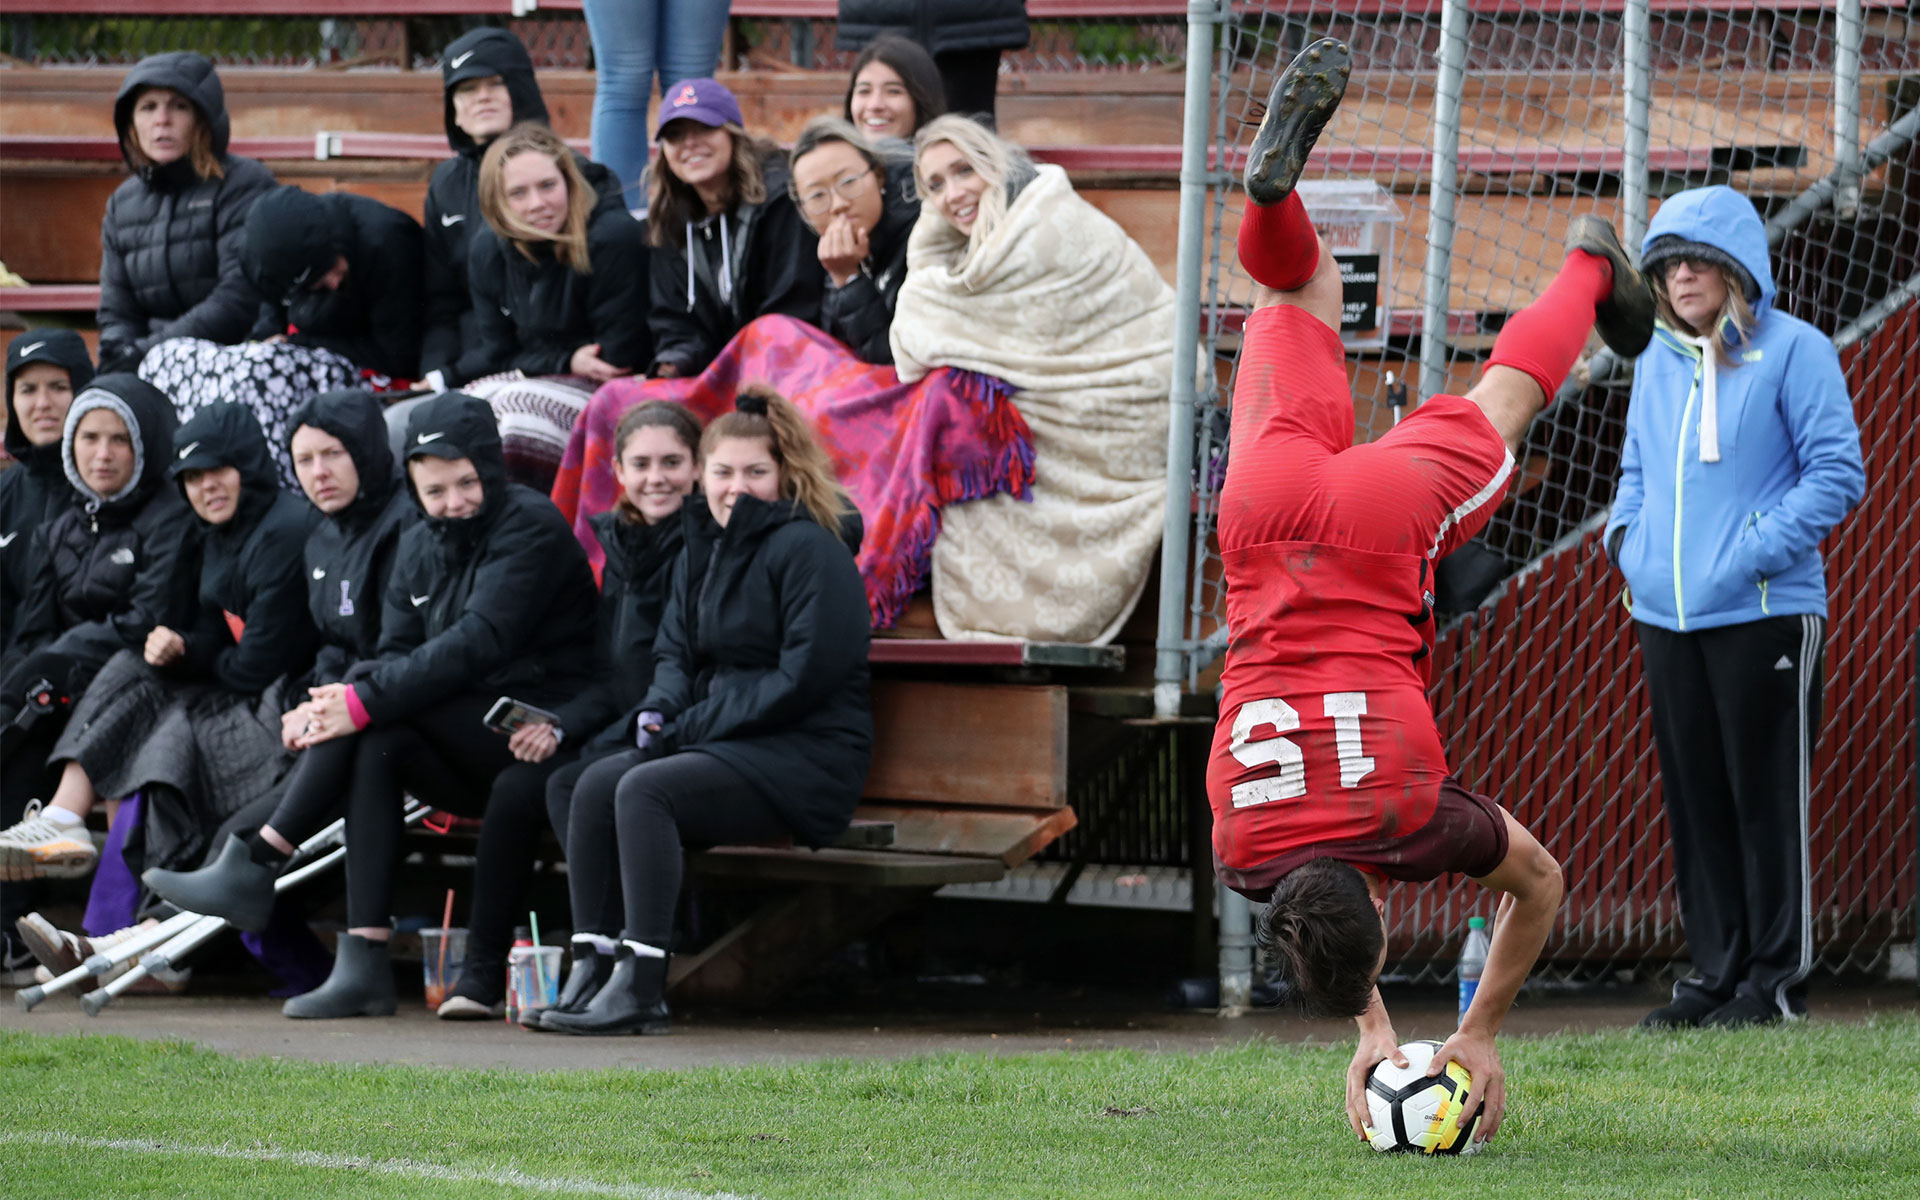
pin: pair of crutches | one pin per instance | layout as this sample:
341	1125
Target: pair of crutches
162	946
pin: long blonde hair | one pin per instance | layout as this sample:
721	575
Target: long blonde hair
570	240
1734	311
1004	166
806	473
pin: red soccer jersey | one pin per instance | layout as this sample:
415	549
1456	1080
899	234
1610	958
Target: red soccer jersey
1326	734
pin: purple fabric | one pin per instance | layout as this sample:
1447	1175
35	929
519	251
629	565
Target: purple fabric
288	948
115	894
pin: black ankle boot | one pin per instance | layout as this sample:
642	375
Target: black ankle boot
633	1000
585	978
361	984
233	887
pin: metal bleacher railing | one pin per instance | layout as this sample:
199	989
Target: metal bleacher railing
1808	108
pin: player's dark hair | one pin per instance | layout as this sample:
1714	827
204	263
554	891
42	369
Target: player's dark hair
1320	940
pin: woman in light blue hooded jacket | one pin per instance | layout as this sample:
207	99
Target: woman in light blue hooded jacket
1741	454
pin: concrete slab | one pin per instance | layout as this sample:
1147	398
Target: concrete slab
253	1027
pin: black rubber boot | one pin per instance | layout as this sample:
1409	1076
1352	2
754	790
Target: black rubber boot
233	887
1624	320
361	984
1302	100
585	978
634	1000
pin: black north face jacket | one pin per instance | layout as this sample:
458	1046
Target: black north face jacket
633	596
170	243
502	601
349	554
34	491
251	572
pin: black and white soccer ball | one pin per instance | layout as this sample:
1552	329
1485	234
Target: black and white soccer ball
1408	1113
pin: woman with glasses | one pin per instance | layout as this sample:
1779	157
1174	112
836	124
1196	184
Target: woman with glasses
863	207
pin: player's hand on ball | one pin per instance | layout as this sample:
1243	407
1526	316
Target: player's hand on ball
1476	1052
1376	1045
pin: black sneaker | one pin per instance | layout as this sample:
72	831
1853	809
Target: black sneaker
1302	100
1741	1012
1624	320
1682	1012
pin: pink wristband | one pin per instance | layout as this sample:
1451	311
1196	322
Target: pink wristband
357	712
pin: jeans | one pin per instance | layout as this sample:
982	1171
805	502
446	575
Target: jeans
631	40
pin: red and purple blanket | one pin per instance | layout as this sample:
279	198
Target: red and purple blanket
902	451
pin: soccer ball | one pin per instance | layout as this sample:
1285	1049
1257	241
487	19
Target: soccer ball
1408	1113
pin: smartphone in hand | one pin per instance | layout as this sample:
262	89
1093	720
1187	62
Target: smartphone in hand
508	715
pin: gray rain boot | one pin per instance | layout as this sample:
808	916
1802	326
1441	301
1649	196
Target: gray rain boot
361	984
233	887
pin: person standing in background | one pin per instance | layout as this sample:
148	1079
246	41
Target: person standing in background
1741	454
965	38
633	41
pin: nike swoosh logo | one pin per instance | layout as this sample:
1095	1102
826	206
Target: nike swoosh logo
8	540
419	600
318	573
191	447
424	438
461	61
451	219
31	349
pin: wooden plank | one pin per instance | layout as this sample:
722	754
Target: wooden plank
995	745
853	868
1010	837
757	960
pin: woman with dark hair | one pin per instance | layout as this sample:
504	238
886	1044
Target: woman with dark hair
170	243
729	245
490	595
965	38
757	724
559	280
894	89
863	207
46	368
657	464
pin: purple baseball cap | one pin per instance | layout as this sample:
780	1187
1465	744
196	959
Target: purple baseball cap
702	100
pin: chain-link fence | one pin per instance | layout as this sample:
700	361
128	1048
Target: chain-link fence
1560	110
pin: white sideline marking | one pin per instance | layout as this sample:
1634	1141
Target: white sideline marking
404	1168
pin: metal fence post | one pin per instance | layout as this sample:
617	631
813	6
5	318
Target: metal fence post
1169	670
1848	34
1637	52
1442	195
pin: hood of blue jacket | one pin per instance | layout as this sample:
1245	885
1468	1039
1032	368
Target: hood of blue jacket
1724	219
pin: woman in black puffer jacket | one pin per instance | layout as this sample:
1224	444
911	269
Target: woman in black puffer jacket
657	462
170	244
758	724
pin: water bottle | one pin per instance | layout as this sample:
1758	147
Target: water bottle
1473	960
519	968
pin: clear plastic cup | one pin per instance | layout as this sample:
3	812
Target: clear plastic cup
443	953
533	979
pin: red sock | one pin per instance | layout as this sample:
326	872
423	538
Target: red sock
1545	337
1277	244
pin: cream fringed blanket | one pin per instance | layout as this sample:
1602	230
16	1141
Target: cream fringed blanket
1067	308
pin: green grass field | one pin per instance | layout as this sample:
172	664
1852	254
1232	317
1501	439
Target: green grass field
1808	1112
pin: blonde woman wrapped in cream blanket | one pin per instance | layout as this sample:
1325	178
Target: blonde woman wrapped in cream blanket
1012	274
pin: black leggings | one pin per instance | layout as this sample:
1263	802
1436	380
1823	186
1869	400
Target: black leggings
632	818
503	864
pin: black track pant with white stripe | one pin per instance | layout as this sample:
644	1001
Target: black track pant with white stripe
1736	713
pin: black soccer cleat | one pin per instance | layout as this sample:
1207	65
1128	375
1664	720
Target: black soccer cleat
1302	100
1624	320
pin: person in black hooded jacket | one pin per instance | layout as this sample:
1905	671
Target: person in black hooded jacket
489	87
728	243
656	462
191	720
46	368
338	272
170	244
758	723
863	207
490	594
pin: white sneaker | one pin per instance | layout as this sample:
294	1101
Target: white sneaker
40	848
